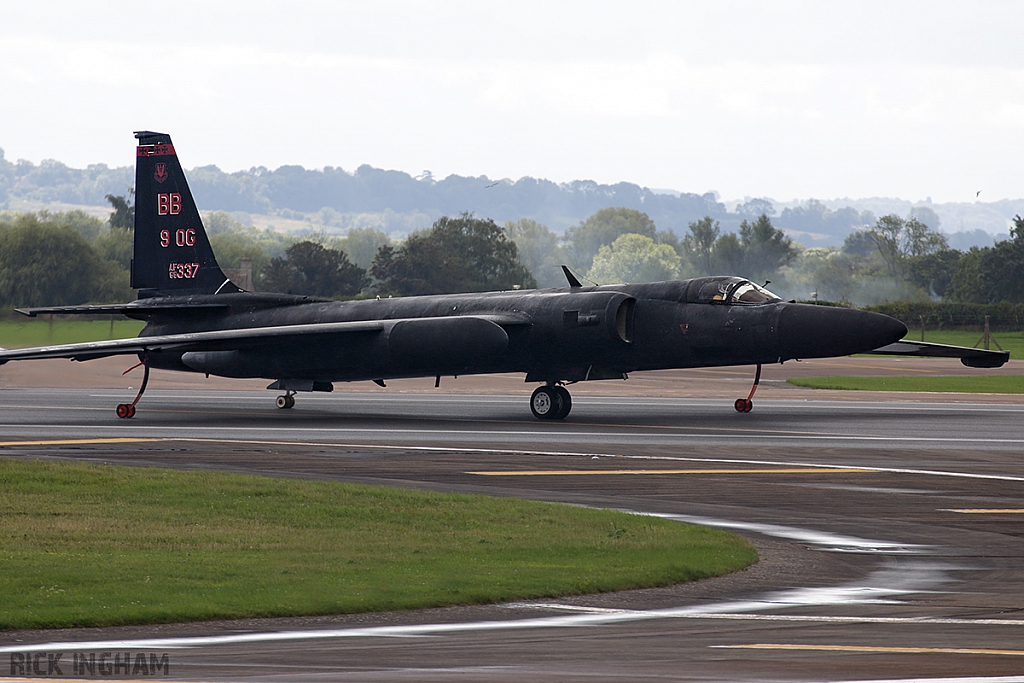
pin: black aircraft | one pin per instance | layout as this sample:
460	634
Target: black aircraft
197	320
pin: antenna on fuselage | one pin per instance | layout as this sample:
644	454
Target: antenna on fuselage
573	280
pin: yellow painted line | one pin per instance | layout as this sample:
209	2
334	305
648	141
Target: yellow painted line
789	470
987	511
75	442
876	649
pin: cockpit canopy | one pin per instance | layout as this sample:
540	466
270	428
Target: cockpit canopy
727	290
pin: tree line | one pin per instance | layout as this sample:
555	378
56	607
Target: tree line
400	203
71	258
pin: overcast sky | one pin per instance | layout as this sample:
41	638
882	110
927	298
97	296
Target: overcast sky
787	100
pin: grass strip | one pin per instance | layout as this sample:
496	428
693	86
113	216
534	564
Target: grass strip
1010	341
44	332
988	384
98	545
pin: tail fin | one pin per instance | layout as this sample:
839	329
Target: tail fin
172	255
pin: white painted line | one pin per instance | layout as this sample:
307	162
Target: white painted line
781	617
587	617
873	649
830	541
967	679
878	588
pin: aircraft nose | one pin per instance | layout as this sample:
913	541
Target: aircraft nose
807	331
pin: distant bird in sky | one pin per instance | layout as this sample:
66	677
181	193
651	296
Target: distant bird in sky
977	194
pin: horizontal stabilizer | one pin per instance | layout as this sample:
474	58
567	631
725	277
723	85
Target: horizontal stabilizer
118	309
972	358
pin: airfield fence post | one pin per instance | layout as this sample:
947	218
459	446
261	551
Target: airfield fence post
922	328
987	337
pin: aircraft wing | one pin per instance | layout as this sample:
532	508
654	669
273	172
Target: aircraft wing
216	340
972	358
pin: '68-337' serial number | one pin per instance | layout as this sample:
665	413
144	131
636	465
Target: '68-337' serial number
183	271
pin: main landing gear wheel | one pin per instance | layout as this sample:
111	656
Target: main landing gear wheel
550	403
285	401
745	405
566	402
125	410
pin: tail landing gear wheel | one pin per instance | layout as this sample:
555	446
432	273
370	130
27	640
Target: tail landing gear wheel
285	402
546	403
127	410
566	403
745	405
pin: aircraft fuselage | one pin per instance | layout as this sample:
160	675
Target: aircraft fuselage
552	335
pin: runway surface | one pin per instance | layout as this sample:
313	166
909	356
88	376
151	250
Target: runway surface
890	532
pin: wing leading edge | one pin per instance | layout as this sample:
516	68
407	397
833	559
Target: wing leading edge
217	340
972	358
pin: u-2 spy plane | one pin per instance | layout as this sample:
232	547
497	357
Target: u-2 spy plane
197	320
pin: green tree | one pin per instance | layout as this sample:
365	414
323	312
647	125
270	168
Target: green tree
756	207
765	248
859	243
45	263
634	258
700	243
85	225
729	255
123	215
116	242
231	247
834	277
934	272
313	269
117	245
539	251
604	227
965	284
462	254
898	239
1000	269
220	222
362	244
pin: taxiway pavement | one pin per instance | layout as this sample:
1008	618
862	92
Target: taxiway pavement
889	531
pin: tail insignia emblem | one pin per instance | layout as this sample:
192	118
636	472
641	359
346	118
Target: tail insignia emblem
160	174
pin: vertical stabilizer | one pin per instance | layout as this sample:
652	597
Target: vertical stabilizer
172	255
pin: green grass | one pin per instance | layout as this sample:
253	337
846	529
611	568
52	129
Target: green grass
39	332
990	384
1010	341
91	545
